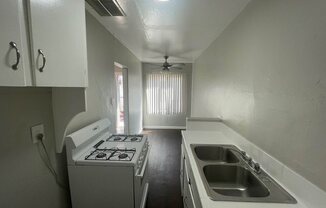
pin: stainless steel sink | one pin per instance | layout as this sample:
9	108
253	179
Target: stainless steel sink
234	181
228	177
215	153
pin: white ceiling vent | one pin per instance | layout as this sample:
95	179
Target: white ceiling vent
106	7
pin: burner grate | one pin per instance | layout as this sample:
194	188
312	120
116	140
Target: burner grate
114	154
125	138
134	138
116	138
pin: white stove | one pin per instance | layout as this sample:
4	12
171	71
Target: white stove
101	160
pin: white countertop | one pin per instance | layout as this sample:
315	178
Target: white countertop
297	186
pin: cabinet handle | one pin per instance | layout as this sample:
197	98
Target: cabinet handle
14	45
43	59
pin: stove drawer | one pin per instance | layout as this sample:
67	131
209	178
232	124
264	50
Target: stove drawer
141	184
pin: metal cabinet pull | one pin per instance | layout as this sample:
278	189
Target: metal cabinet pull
44	60
14	45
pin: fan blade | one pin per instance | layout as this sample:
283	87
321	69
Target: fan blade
156	68
175	67
154	64
178	65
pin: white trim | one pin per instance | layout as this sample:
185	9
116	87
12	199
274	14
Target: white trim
119	65
124	71
204	119
126	98
164	127
192	88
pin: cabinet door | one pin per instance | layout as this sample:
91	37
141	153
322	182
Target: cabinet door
182	169
58	42
10	11
192	186
188	200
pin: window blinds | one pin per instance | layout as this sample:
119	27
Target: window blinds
166	93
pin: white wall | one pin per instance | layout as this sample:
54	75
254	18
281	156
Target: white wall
167	121
103	49
25	180
265	76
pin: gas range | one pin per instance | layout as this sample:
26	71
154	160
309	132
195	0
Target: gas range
96	158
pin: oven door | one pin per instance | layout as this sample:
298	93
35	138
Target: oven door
142	183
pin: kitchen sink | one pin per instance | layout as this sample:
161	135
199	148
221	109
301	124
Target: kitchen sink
234	181
215	153
227	176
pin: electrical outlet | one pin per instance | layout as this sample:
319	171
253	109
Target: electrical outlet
36	130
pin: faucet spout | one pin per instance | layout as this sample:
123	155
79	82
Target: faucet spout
243	154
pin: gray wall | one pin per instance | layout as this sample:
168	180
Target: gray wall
266	77
170	120
103	49
25	180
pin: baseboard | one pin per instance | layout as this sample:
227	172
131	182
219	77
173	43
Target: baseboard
164	127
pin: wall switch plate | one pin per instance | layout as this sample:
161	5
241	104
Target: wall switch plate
112	101
36	130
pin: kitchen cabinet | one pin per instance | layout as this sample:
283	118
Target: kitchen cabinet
56	35
188	199
188	187
12	71
182	169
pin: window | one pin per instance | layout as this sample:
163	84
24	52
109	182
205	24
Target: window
166	93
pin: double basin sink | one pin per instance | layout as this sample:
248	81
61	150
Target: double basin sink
227	176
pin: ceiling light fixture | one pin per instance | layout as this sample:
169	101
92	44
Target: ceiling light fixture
163	0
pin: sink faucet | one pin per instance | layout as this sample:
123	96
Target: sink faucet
252	164
243	155
255	166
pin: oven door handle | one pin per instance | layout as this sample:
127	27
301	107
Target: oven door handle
142	171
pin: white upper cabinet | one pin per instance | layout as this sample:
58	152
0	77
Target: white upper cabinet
58	37
11	60
43	43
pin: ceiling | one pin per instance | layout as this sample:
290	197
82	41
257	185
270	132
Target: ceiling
182	29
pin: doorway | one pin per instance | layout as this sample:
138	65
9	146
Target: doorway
122	114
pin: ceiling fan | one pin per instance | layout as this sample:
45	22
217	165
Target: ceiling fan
166	66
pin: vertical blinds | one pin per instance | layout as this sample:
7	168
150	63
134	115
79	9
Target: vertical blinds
166	93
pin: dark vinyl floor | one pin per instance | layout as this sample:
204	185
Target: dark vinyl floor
164	169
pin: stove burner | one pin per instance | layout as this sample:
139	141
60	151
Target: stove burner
123	156
125	138
100	155
134	139
117	139
113	154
